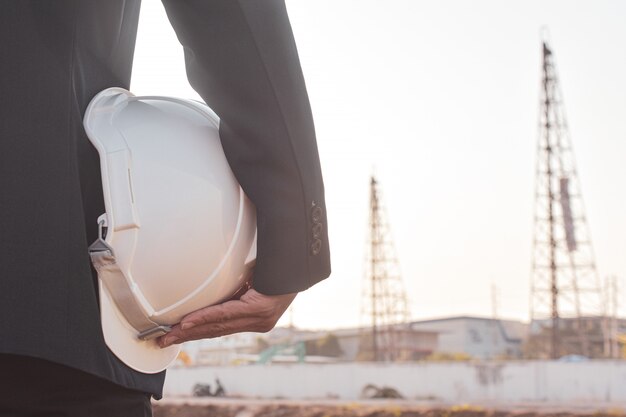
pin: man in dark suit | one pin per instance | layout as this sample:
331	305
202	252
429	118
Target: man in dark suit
55	55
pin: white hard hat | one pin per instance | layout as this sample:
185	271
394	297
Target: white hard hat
180	232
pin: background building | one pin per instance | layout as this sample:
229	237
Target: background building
606	337
477	337
289	344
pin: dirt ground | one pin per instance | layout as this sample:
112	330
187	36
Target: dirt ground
283	408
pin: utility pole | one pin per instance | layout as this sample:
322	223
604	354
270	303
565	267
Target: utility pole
495	319
614	318
384	300
565	287
494	301
611	292
291	323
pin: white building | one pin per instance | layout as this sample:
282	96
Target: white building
478	337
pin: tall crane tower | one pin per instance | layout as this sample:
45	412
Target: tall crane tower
566	297
384	299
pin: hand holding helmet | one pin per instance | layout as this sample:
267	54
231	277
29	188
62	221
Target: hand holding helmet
253	312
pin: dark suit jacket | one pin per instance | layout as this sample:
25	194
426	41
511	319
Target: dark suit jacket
55	55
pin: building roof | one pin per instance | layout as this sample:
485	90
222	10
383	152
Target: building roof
512	330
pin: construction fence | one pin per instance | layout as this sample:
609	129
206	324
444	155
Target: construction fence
598	381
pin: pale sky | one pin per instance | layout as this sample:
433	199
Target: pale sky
441	97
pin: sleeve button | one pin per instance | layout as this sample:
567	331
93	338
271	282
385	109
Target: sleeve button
316	247
316	214
317	230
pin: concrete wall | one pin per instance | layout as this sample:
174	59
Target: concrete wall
533	381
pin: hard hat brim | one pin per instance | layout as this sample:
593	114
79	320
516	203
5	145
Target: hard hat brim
121	338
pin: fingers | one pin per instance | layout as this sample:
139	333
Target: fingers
253	312
228	311
251	304
210	330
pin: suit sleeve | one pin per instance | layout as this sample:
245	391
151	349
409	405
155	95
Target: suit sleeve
241	58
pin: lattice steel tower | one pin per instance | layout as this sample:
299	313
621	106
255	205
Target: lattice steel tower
566	298
384	299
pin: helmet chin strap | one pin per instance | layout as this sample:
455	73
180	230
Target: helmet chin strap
103	260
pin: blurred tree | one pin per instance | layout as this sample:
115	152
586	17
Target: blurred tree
261	344
329	346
